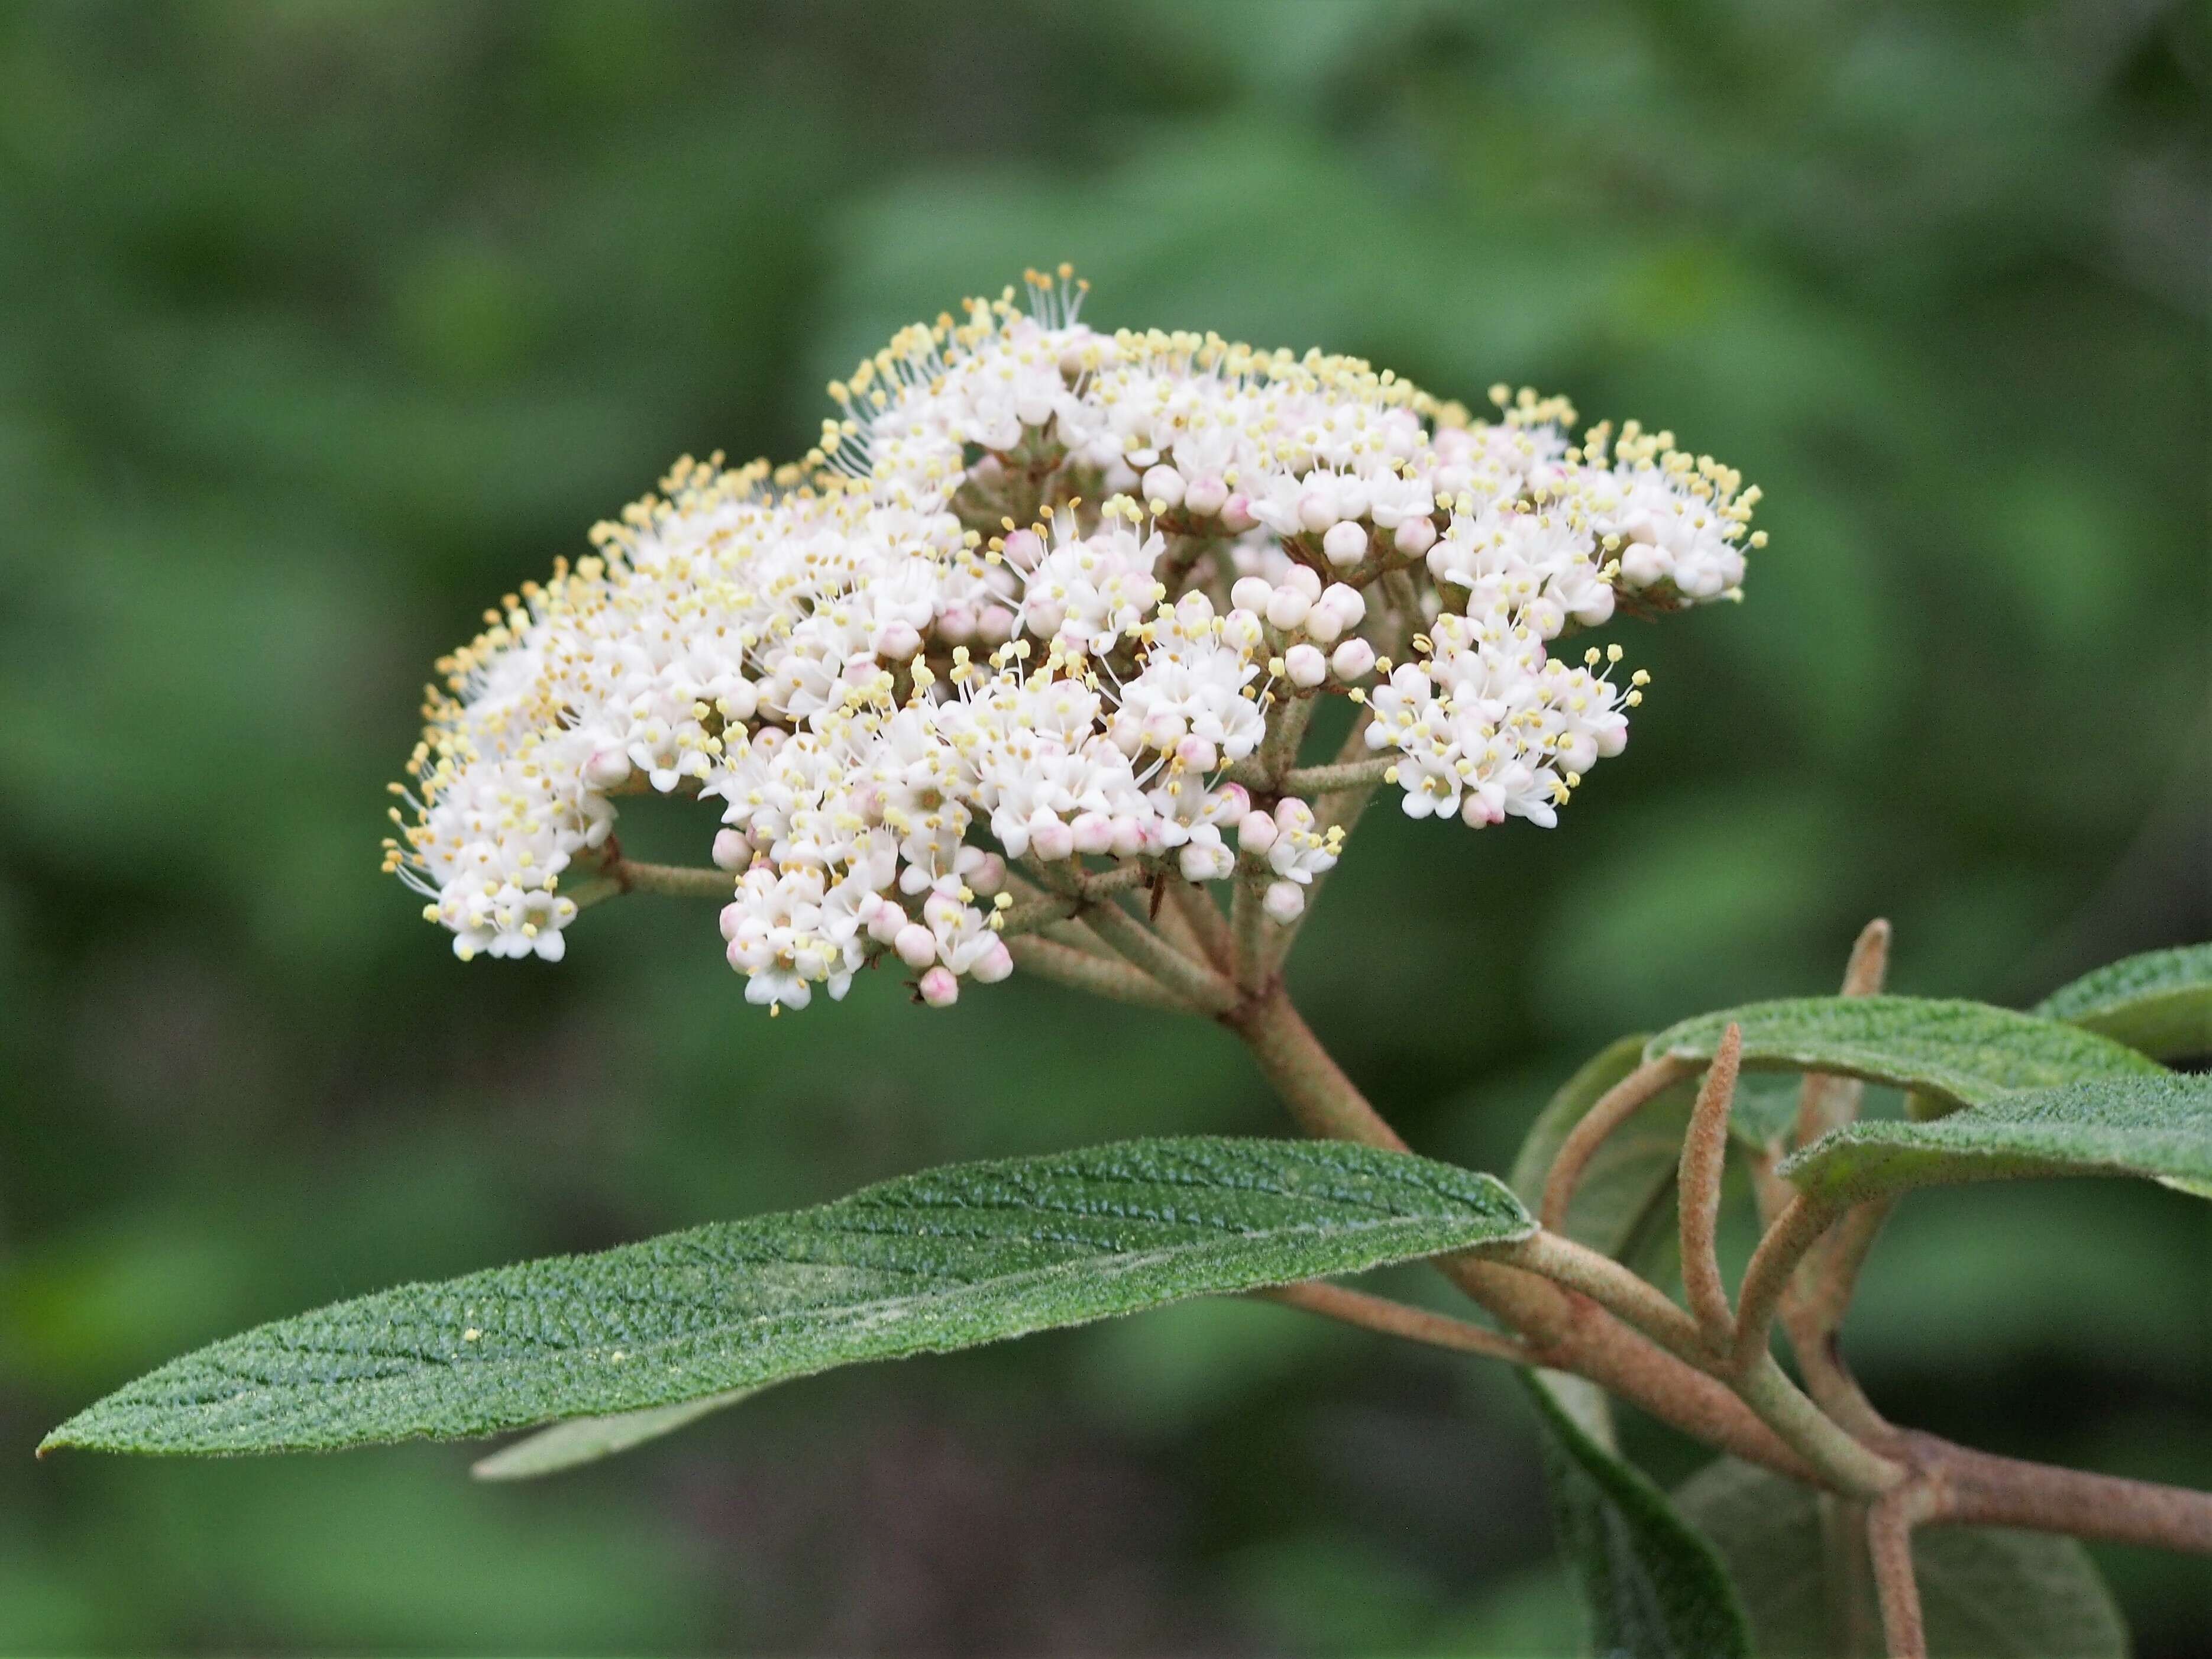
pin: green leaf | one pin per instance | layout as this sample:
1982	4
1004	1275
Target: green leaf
2158	1126
1654	1588
928	1263
1984	1593
1964	1053
2160	1002
587	1439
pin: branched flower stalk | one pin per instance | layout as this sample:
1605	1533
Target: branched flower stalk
1024	666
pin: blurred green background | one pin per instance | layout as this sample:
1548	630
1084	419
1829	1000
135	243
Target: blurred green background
322	324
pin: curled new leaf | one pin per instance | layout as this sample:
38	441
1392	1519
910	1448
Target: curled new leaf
2160	1002
948	1259
1963	1052
2157	1127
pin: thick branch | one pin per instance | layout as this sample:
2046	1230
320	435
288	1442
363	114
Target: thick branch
1339	775
1192	980
1978	1488
1196	905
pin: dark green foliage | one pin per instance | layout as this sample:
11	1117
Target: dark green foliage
2159	1126
1654	1587
1963	1052
930	1262
1986	1593
2160	1002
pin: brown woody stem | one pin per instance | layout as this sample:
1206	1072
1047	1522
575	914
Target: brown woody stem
1890	1521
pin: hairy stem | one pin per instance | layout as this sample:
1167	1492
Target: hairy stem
1613	1108
1377	1313
1196	905
1890	1521
1193	981
674	880
1704	1160
1828	1103
1309	780
1563	1331
1773	1266
1978	1488
1103	976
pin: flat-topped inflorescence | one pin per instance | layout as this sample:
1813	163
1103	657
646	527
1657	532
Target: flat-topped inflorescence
1041	595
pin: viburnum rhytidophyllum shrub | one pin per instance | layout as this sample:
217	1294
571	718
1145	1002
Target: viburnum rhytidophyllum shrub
1018	669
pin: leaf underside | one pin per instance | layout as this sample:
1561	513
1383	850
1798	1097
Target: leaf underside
2156	1126
2160	1002
1964	1052
1654	1587
930	1262
1984	1593
587	1439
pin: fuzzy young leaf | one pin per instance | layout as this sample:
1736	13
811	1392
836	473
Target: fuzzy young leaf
1654	1588
1984	1593
587	1439
1962	1052
2158	1126
2160	1002
928	1263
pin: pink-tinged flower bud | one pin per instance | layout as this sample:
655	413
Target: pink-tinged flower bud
1251	593
732	916
938	988
989	874
607	768
1198	754
1353	660
995	626
1348	604
1134	835
1284	902
1287	608
1324	626
994	964
1093	833
1205	496
956	624
1415	537
1346	542
898	641
732	850
1051	839
1317	510
1023	548
1305	664
1237	515
915	945
1255	833
1163	730
1163	484
884	922
1305	579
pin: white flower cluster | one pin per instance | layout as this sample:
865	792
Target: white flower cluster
1044	595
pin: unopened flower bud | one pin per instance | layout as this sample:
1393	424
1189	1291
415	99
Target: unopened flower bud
915	945
1353	660
1237	515
1251	593
607	769
938	988
1163	485
1052	840
1287	607
1305	665
1256	832
1345	544
1415	537
994	964
1093	832
1284	902
1205	496
732	850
